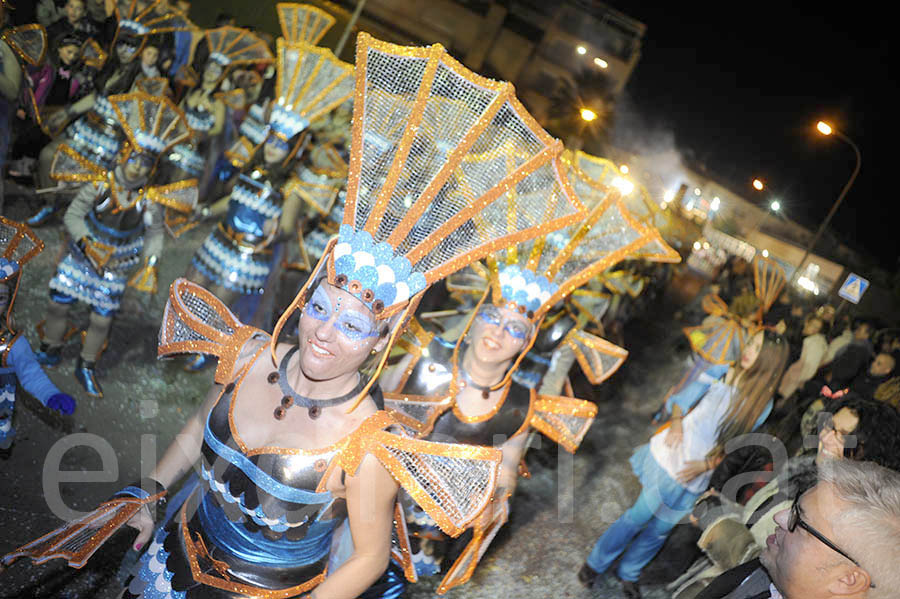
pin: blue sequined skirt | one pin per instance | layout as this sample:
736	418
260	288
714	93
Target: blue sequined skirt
77	280
231	265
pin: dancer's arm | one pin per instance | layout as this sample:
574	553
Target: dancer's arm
371	494
181	455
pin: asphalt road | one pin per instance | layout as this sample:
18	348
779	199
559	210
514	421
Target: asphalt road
556	514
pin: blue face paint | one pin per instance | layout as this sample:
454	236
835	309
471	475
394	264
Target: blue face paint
319	305
491	316
350	323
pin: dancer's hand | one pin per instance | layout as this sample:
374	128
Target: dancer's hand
692	469
675	434
144	524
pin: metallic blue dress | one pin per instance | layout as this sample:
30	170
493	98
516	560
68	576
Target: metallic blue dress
237	254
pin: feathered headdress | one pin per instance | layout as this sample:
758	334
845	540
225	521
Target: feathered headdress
418	206
303	22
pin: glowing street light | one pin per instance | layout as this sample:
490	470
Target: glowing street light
601	63
824	128
581	50
775	206
758	185
588	115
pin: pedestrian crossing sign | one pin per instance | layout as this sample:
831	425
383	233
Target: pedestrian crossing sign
853	288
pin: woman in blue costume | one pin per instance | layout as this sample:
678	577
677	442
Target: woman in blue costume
292	442
204	106
117	226
675	467
238	257
18	366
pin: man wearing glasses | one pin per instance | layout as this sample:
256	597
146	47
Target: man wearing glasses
839	540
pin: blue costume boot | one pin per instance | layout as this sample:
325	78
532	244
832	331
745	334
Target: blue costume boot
85	375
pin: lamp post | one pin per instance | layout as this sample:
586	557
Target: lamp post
826	129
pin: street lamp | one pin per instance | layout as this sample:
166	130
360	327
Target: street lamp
588	115
581	50
775	206
826	129
758	185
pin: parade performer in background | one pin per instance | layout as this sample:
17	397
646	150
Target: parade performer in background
262	209
90	125
675	467
466	389
18	366
204	106
299	462
117	225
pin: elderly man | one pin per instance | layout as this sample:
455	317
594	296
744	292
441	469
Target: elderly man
839	540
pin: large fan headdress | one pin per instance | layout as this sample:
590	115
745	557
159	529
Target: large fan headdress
418	206
140	17
595	175
233	46
18	245
310	82
303	22
29	42
153	124
720	339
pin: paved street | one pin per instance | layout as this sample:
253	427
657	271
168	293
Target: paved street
557	514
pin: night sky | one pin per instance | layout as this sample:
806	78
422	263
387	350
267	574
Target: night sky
742	94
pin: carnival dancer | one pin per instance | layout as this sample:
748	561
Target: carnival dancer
205	107
117	225
262	209
18	366
466	389
27	44
90	125
675	467
294	450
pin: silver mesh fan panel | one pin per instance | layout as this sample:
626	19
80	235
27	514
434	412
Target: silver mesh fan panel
304	78
455	484
7	233
573	425
66	168
416	411
204	312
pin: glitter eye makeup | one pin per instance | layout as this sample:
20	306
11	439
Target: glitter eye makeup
319	306
355	326
491	315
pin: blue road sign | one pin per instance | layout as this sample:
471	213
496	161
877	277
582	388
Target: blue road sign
853	288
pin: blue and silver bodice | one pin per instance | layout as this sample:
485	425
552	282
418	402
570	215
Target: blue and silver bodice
254	209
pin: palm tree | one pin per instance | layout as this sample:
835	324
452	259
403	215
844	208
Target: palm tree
591	90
